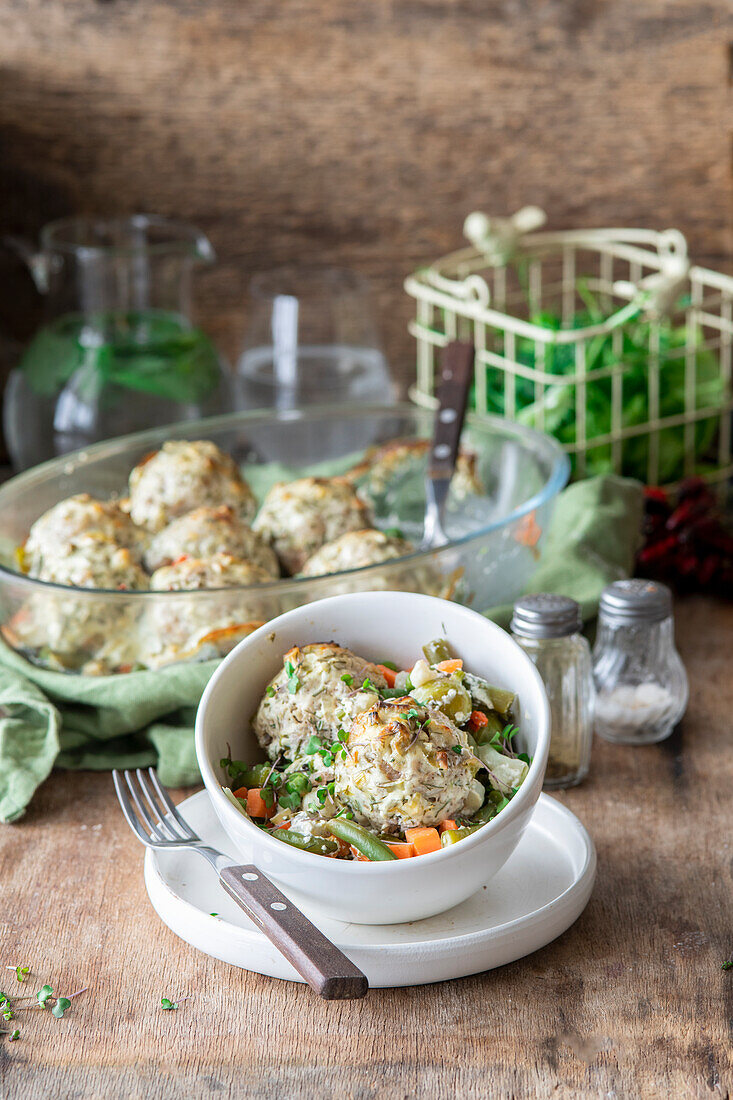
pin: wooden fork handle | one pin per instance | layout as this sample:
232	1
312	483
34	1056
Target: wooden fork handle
324	967
456	373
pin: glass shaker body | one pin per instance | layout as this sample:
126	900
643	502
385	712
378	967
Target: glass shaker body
566	669
641	683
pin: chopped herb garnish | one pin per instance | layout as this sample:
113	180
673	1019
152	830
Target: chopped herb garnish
213	914
457	749
269	690
727	965
166	1003
348	678
293	681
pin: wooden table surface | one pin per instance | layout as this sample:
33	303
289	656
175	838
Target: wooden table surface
630	1002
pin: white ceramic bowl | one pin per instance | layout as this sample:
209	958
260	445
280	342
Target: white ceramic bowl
377	625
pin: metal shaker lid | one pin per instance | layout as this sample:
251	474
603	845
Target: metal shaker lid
633	602
546	616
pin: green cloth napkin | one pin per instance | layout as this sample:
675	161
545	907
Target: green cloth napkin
52	719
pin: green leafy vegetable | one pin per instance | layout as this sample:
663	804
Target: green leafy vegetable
556	410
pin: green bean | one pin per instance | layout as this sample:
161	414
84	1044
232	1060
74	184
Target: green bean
436	651
320	845
254	775
360	838
501	699
452	836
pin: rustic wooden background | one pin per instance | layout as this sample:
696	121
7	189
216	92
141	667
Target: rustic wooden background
361	133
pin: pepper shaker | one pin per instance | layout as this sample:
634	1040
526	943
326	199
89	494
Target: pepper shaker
641	683
547	627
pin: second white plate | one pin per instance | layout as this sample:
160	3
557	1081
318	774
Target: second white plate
535	897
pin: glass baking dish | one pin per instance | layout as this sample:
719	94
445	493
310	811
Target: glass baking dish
496	537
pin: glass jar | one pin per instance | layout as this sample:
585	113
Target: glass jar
117	351
547	627
641	683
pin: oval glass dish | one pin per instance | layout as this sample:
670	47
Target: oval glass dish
496	534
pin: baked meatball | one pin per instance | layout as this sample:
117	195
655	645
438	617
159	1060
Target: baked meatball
73	629
394	470
317	692
354	550
218	571
205	532
184	475
406	765
299	517
178	628
93	560
52	533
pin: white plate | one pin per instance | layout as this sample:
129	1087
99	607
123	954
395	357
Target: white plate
538	894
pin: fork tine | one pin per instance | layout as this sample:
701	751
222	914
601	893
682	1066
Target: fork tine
142	810
170	829
170	805
127	809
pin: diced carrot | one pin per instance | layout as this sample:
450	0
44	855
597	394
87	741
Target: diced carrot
241	792
454	665
357	855
423	840
401	849
256	806
449	823
477	721
389	674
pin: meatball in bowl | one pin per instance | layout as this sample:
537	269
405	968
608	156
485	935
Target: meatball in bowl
332	754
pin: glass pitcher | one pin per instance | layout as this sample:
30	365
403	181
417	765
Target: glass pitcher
117	352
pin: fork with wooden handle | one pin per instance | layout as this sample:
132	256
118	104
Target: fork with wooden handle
156	822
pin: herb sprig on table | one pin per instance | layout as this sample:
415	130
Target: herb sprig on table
43	998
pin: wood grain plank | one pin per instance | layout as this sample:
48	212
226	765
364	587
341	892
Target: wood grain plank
361	134
630	1002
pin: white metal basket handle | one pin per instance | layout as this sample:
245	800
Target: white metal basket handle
497	238
657	294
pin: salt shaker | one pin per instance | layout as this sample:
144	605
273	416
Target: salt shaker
547	627
641	683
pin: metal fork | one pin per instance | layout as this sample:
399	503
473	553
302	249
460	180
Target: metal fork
156	822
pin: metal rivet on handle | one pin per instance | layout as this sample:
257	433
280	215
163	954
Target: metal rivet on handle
278	905
447	416
250	876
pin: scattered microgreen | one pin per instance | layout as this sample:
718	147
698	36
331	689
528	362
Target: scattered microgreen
342	736
392	533
322	794
327	759
727	965
313	745
21	973
348	678
369	686
43	994
213	914
457	749
166	1003
60	1007
14	1036
269	691
268	796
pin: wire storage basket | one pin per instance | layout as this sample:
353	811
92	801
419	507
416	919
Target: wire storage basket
608	339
